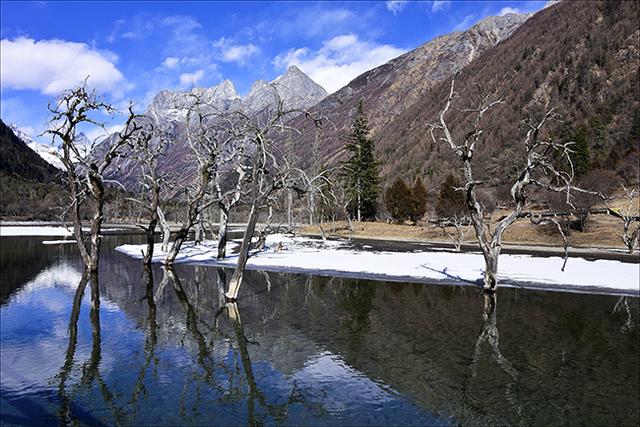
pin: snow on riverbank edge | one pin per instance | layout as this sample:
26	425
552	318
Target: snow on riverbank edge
34	230
337	258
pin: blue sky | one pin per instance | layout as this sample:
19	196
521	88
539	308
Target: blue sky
132	50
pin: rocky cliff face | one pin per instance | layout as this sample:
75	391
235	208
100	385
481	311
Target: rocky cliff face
295	88
388	90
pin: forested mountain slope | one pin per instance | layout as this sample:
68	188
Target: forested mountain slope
580	58
387	91
17	159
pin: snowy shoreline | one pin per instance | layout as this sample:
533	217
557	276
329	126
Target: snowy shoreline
337	258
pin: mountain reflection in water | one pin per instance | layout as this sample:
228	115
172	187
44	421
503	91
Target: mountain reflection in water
163	348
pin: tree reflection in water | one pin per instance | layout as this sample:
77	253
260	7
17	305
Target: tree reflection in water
198	360
150	343
91	368
623	303
489	335
65	403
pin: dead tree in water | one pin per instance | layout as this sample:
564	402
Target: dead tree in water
85	166
147	148
229	182
539	170
270	172
207	146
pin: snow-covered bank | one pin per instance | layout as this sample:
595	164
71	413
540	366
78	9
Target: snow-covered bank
337	258
35	229
14	230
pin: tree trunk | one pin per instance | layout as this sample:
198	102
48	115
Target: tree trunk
358	207
322	233
491	269
97	190
199	235
630	238
289	210
181	236
151	231
222	233
243	257
166	231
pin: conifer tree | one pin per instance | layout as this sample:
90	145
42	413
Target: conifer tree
398	201
361	170
580	156
419	195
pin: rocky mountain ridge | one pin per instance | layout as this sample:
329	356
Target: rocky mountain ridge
294	88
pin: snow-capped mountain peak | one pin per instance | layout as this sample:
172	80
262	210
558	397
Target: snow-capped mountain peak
294	88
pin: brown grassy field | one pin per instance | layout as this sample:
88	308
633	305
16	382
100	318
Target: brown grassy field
603	231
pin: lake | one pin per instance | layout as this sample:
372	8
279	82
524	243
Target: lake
300	349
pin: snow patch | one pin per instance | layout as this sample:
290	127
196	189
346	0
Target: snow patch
337	258
12	230
57	242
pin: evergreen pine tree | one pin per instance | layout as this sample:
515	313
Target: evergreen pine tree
580	156
419	195
361	170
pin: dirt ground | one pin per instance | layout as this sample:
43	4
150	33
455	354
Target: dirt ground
603	231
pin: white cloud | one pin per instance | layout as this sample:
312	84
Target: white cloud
235	52
51	66
171	62
396	6
187	79
506	10
465	23
339	60
315	20
440	5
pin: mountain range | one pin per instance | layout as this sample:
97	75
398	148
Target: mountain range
294	88
580	58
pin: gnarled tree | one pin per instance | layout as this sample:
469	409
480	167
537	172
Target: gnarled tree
629	215
85	166
209	151
541	169
147	147
269	172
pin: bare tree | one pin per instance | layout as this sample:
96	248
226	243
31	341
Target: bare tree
85	168
207	145
458	221
539	170
629	214
270	172
147	147
229	183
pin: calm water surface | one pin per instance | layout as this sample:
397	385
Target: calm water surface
300	349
